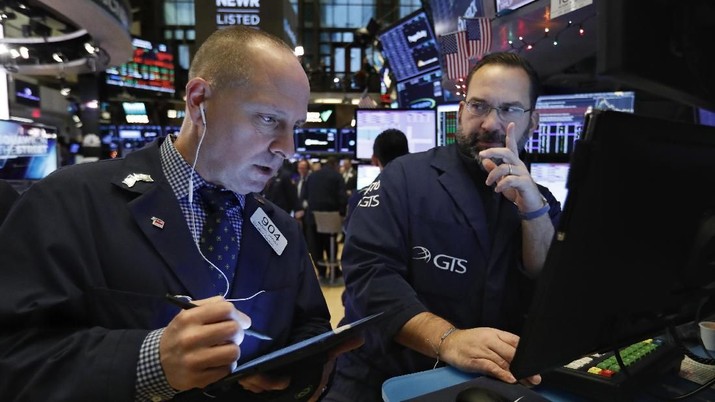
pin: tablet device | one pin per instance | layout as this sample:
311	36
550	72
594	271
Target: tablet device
309	352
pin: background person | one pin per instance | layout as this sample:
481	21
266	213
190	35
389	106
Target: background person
388	145
325	191
84	316
451	222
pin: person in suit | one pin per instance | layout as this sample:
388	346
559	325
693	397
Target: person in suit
349	175
303	169
388	145
281	190
325	191
8	196
451	242
84	315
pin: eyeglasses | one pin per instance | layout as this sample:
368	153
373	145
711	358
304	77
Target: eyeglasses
505	113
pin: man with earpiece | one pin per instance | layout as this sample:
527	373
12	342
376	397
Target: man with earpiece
91	252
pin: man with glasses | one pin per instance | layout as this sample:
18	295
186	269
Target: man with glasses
451	243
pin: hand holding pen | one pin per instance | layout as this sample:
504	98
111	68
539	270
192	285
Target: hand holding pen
201	344
184	304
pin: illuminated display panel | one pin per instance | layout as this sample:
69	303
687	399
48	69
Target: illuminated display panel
27	151
419	126
151	68
447	123
561	118
421	92
410	46
311	141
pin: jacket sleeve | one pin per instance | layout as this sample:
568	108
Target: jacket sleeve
376	256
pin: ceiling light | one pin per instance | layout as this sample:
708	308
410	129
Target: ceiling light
59	57
90	48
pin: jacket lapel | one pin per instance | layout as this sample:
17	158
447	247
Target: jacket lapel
462	190
158	215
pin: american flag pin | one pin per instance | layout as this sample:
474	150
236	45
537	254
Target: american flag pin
157	222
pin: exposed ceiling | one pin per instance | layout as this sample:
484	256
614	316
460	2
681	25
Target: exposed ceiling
49	37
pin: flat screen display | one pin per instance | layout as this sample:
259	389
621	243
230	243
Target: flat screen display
315	140
366	174
553	176
27	151
419	126
447	122
346	141
421	92
561	118
151	68
506	6
27	94
410	46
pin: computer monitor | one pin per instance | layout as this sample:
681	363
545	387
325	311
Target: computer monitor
419	126
561	118
28	151
312	141
447	123
634	250
552	175
366	174
347	141
410	46
421	92
669	57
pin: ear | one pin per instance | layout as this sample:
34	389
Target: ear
197	92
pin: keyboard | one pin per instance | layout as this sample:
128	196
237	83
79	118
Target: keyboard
600	377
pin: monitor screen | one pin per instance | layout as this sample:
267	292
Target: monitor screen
669	57
27	151
421	92
346	141
552	175
366	174
419	126
447	122
506	6
410	46
621	268
151	68
561	118
135	112
27	94
315	141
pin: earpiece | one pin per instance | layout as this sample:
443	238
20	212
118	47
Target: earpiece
202	109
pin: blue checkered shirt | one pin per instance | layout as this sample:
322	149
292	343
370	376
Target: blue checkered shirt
151	382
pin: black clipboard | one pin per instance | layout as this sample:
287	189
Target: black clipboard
310	351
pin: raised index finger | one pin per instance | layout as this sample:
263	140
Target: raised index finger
510	139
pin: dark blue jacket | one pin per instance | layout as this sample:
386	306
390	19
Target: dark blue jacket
419	241
86	265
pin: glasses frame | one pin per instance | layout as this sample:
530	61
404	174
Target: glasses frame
472	104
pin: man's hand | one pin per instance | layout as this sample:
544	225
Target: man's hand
484	350
201	345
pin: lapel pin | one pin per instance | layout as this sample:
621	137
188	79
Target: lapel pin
132	178
157	222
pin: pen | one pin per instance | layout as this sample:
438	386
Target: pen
187	305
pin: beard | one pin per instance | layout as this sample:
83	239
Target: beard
470	144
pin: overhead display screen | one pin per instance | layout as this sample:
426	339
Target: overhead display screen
410	46
151	68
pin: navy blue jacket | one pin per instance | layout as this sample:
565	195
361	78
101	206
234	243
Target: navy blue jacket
419	241
86	265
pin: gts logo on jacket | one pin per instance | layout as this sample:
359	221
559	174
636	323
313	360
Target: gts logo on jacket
441	261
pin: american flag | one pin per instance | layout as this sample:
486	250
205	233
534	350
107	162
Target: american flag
479	36
453	47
